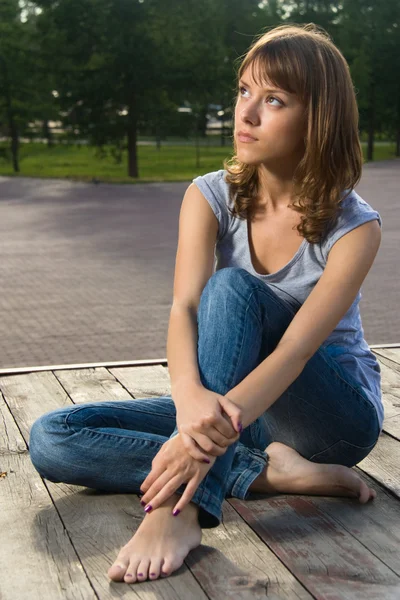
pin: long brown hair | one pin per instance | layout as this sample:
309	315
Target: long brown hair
303	59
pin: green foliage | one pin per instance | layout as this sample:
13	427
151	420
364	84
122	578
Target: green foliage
120	67
169	163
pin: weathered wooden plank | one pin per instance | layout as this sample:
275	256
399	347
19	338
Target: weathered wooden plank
25	395
232	562
375	524
91	385
97	523
37	558
321	554
392	353
383	463
390	372
144	382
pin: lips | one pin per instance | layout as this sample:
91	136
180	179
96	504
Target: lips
243	136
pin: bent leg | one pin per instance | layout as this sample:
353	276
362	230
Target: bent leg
104	445
240	322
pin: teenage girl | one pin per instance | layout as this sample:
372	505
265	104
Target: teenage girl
274	388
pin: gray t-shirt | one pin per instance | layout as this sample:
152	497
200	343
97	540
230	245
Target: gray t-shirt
295	281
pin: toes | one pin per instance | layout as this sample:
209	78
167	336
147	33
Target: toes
364	493
143	570
155	568
117	571
170	565
131	571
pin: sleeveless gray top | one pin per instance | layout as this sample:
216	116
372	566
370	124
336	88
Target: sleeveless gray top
295	281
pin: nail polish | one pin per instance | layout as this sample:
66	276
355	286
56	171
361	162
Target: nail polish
176	512
148	508
240	428
206	460
142	503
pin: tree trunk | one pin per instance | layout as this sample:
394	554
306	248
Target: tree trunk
10	117
197	142
133	170
398	127
47	133
371	121
14	144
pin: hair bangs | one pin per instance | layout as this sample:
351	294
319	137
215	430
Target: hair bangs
271	64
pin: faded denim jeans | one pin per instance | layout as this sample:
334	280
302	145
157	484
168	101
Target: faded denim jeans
323	414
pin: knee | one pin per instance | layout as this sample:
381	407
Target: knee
224	282
224	290
44	449
228	277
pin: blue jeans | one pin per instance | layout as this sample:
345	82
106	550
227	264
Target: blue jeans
323	414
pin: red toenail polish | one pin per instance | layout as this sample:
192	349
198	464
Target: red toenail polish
148	508
176	512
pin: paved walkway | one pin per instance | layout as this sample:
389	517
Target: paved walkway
86	271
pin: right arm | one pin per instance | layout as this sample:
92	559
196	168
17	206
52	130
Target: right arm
198	229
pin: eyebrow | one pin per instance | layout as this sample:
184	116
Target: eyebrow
267	89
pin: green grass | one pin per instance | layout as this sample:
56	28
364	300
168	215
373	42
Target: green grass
170	163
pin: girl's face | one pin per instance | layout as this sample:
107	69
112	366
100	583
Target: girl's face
269	124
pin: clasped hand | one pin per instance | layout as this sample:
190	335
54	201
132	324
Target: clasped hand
182	458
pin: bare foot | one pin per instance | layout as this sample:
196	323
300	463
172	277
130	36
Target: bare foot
288	472
160	544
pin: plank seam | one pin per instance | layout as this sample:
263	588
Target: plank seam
126	363
273	552
70	539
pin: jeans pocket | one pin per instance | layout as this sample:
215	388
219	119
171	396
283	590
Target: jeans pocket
343	453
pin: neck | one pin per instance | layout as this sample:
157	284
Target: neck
276	186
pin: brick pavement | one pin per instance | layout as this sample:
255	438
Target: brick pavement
86	271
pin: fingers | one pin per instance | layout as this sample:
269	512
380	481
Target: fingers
161	490
234	412
186	496
225	425
192	448
207	445
151	477
209	438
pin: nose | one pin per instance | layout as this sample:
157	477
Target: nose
249	114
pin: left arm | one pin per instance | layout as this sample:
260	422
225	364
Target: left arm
349	261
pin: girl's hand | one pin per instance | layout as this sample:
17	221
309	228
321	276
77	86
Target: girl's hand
208	422
171	467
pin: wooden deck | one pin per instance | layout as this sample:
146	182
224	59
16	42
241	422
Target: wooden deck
57	541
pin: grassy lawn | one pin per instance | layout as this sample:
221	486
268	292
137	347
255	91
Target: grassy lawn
170	163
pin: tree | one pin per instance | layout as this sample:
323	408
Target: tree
115	59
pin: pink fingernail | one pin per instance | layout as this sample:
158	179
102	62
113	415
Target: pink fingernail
148	508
